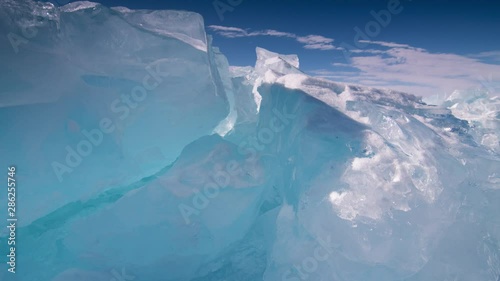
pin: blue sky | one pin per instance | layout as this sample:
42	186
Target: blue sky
426	47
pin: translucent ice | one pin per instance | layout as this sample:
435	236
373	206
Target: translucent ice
173	165
100	99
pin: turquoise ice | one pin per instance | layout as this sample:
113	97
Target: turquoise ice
143	155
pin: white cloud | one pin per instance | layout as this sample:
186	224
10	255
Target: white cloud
388	44
492	55
320	46
316	42
227	28
271	32
417	71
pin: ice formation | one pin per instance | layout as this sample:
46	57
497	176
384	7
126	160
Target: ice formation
143	155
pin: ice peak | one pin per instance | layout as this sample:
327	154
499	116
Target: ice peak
78	5
270	57
270	66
